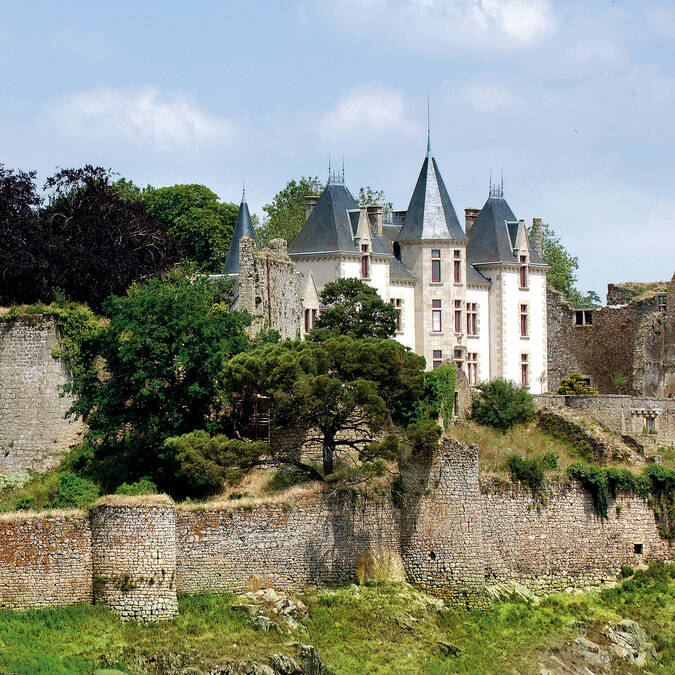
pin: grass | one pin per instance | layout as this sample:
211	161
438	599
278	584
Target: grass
380	629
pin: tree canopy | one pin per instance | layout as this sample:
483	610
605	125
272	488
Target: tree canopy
165	350
369	196
353	308
344	389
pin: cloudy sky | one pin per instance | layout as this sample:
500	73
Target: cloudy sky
573	100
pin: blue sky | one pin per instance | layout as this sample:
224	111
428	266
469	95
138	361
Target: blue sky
573	100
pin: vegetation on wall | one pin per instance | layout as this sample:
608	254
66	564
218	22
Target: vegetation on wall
501	404
576	385
439	394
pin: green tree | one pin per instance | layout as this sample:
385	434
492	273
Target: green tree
285	214
165	348
195	217
353	308
368	196
346	390
501	404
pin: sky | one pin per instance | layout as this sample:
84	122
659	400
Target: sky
572	100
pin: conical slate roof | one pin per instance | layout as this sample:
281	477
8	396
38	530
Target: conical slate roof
430	214
243	228
493	236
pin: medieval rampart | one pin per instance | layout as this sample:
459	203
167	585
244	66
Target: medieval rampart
443	533
33	430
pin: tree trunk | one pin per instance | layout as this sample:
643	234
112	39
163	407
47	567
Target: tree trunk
328	452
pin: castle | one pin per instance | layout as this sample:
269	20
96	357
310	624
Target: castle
473	296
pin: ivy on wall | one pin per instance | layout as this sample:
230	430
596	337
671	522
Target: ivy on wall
439	393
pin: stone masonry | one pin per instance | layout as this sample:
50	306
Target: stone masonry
33	430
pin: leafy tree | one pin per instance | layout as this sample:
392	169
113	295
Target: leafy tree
20	249
368	197
576	385
94	243
563	267
164	349
353	308
346	390
285	215
501	404
196	218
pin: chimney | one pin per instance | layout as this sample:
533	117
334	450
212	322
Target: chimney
375	216
470	216
310	203
537	236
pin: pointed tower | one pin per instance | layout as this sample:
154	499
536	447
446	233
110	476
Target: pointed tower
432	245
243	228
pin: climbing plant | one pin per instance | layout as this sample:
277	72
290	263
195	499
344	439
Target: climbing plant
439	393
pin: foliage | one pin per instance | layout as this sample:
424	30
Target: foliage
206	462
74	492
165	349
620	381
345	389
351	307
285	215
576	385
195	217
501	404
439	393
423	436
531	472
562	272
144	486
370	197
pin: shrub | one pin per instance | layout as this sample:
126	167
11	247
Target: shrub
576	385
74	492
439	393
528	471
627	571
502	404
144	486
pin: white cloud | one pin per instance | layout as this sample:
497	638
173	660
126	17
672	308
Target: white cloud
367	110
488	97
134	115
438	25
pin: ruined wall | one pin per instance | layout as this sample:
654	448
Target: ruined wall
314	541
564	543
33	431
45	559
441	537
624	415
134	557
268	288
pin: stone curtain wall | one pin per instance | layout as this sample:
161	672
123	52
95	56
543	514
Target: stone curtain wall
33	431
315	541
268	288
564	543
441	538
45	559
134	557
624	415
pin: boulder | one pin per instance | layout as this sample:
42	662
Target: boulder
629	641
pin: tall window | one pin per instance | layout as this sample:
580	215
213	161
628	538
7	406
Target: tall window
471	318
458	316
457	358
458	266
310	319
436	265
524	374
472	367
523	321
436	323
365	271
398	304
437	358
523	271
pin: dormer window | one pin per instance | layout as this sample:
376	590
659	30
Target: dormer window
436	265
523	271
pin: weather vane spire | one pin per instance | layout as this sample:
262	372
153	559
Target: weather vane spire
428	126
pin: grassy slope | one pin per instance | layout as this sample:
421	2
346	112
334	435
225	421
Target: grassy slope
380	629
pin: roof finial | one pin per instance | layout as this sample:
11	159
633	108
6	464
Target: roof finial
428	127
501	187
329	171
490	188
343	169
243	189
497	190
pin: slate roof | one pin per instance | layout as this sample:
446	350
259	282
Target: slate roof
243	228
493	235
430	214
397	270
332	225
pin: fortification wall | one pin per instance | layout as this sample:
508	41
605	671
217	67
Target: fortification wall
45	559
564	543
33	430
316	540
624	415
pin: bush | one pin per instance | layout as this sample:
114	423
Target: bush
627	571
528	471
439	393
576	385
144	486
502	404
74	492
